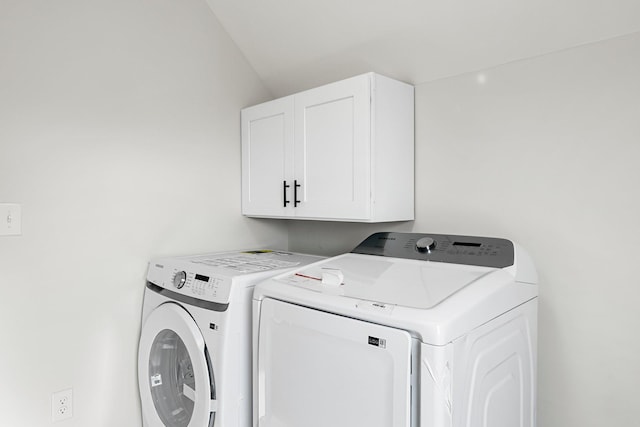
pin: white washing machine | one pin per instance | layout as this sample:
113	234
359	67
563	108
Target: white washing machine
406	330
194	360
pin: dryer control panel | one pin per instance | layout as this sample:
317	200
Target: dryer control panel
467	250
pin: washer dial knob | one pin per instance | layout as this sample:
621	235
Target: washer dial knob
179	279
425	244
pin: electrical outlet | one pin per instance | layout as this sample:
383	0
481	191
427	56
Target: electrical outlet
62	405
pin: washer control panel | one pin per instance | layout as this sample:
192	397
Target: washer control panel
201	286
212	277
179	279
468	250
184	278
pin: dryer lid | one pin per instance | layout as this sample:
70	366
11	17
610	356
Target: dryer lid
437	295
409	269
391	281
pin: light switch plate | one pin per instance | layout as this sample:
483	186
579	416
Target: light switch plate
10	219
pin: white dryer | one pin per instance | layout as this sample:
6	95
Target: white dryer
406	330
194	359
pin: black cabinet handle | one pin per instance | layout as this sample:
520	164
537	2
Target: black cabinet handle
295	193
284	193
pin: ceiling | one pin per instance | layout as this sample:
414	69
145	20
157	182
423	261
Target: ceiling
298	44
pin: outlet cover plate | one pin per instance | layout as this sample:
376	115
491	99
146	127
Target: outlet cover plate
62	405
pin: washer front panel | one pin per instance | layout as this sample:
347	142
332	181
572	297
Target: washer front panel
176	385
209	305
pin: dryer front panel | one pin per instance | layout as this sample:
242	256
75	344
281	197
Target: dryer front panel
317	369
174	373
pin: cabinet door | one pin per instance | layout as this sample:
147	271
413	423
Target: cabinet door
332	150
267	157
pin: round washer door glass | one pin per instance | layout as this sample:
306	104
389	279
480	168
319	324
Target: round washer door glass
176	382
172	383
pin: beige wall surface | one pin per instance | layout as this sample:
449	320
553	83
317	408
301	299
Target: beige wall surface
545	152
119	136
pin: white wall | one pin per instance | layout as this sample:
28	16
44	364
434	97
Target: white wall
119	135
545	152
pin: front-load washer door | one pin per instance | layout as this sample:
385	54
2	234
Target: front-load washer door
317	369
174	373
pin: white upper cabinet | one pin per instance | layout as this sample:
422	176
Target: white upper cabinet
339	152
267	158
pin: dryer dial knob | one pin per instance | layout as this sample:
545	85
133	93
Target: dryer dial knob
179	279
426	244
